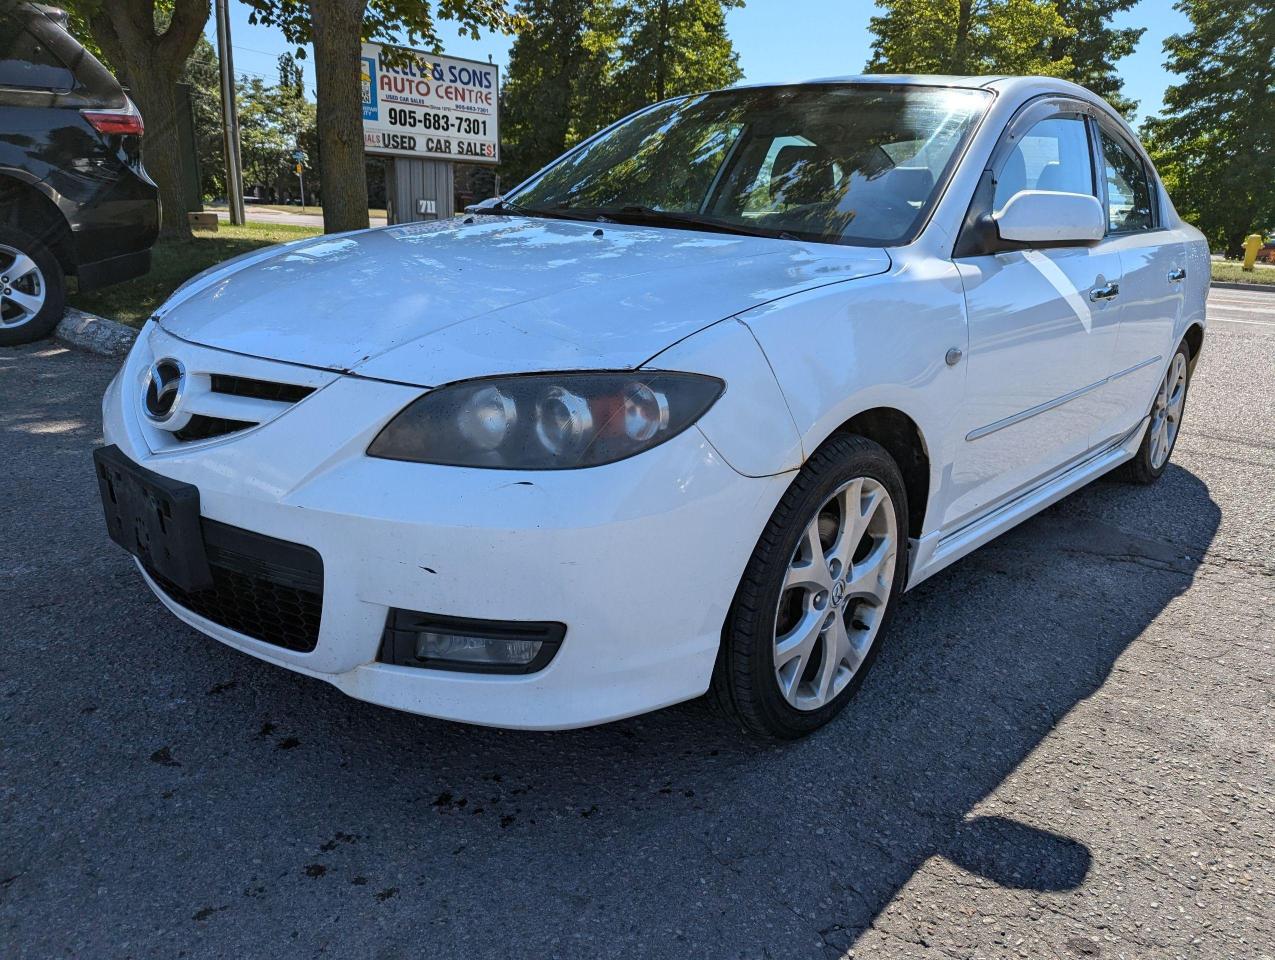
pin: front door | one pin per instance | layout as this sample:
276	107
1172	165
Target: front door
1042	323
1153	263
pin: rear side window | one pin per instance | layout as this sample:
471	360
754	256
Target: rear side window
1128	192
26	63
1052	155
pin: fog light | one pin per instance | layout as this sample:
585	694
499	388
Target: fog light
413	639
451	646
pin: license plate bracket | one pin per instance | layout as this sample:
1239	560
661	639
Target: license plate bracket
155	518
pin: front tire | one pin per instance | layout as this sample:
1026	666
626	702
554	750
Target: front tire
1166	420
32	288
806	622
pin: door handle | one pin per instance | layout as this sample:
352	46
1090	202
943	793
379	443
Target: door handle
1109	292
1178	275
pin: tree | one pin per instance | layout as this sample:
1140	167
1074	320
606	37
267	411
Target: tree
670	47
1213	144
1095	46
578	65
273	123
336	27
148	44
554	64
202	72
969	37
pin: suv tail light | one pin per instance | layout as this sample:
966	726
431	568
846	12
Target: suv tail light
124	121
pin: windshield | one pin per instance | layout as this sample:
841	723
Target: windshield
856	164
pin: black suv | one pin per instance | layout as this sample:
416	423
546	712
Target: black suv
74	198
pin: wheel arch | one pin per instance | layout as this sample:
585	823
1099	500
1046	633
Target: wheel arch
25	206
1194	340
902	438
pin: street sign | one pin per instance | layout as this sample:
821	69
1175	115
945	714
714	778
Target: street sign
432	107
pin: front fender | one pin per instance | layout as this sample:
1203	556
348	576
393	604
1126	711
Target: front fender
878	342
750	426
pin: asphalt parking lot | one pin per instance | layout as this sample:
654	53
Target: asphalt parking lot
1064	751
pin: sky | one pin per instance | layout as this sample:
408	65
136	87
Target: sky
777	40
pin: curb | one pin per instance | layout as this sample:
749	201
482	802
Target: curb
94	334
1229	285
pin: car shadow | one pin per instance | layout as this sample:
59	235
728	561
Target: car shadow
774	845
223	801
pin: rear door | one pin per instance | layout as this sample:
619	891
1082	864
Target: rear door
1153	267
1042	322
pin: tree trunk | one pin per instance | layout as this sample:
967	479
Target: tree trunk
337	26
155	91
661	54
151	56
961	43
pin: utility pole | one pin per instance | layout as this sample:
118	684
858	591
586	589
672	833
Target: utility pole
230	116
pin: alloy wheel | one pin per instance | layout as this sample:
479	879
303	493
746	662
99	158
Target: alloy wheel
22	288
1166	415
835	593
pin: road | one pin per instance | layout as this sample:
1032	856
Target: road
1064	751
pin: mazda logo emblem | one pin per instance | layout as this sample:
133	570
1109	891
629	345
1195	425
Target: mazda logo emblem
165	383
838	593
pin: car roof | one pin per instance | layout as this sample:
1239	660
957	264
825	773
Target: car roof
1000	83
1015	88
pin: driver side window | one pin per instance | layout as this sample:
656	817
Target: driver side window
1052	155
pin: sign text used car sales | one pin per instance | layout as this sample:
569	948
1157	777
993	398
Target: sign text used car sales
432	107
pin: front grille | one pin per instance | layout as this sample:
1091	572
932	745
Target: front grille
259	389
201	427
268	589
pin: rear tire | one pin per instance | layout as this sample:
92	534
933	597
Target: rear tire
806	622
1166	420
32	288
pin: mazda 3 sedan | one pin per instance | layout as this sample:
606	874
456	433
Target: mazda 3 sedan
687	411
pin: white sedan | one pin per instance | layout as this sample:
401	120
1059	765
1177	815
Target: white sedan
688	410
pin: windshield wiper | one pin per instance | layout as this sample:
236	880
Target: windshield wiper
509	206
643	214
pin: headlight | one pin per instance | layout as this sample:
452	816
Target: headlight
546	421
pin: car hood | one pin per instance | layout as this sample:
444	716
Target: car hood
430	303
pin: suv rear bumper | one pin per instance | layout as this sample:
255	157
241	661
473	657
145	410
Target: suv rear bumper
101	273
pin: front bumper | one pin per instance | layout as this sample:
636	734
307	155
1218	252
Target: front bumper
640	559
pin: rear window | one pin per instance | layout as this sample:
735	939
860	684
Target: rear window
26	63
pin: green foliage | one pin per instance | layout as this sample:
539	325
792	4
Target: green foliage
578	65
202	73
969	37
1096	46
412	23
273	121
1071	39
552	68
669	47
1214	142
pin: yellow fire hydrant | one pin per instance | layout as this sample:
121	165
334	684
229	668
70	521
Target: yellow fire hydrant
1252	243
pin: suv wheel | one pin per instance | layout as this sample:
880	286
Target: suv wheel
32	288
805	624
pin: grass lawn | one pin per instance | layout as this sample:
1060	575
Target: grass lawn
1231	272
175	261
291	208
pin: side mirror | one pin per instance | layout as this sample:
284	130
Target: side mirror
1049	217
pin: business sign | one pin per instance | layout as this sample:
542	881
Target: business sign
436	108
